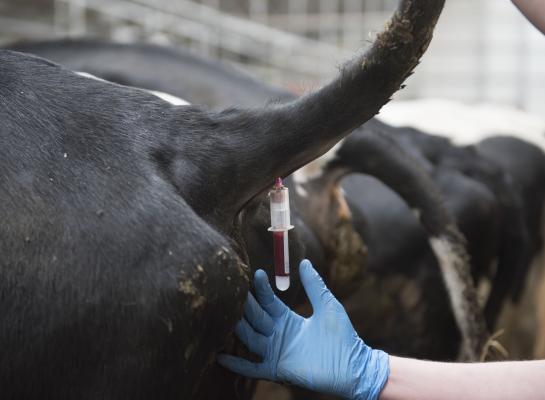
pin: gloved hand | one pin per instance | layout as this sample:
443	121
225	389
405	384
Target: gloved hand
322	353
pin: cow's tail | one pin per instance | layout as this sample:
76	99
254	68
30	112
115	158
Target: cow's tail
257	145
374	153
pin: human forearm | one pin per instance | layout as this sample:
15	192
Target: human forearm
534	10
425	380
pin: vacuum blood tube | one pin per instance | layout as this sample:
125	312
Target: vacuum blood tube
280	225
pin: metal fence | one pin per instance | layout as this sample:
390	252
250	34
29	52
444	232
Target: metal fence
483	50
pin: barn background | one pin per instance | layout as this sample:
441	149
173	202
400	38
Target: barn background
483	50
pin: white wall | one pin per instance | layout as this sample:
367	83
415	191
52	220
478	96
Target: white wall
484	50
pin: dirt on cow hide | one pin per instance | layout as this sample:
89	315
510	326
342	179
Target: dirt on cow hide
347	263
524	323
520	323
539	345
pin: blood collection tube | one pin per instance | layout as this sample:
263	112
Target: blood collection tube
280	225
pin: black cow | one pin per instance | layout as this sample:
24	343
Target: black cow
369	148
481	189
123	267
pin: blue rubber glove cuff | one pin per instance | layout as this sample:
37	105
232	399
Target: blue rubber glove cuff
373	372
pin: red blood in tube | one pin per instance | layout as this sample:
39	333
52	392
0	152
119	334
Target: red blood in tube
278	246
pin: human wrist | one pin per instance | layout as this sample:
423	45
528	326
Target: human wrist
372	371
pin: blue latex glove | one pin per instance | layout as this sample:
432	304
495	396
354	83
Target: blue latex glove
322	353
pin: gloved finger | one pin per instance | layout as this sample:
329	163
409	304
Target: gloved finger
257	317
315	288
254	341
244	367
266	297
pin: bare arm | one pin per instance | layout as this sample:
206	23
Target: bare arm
534	10
426	380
